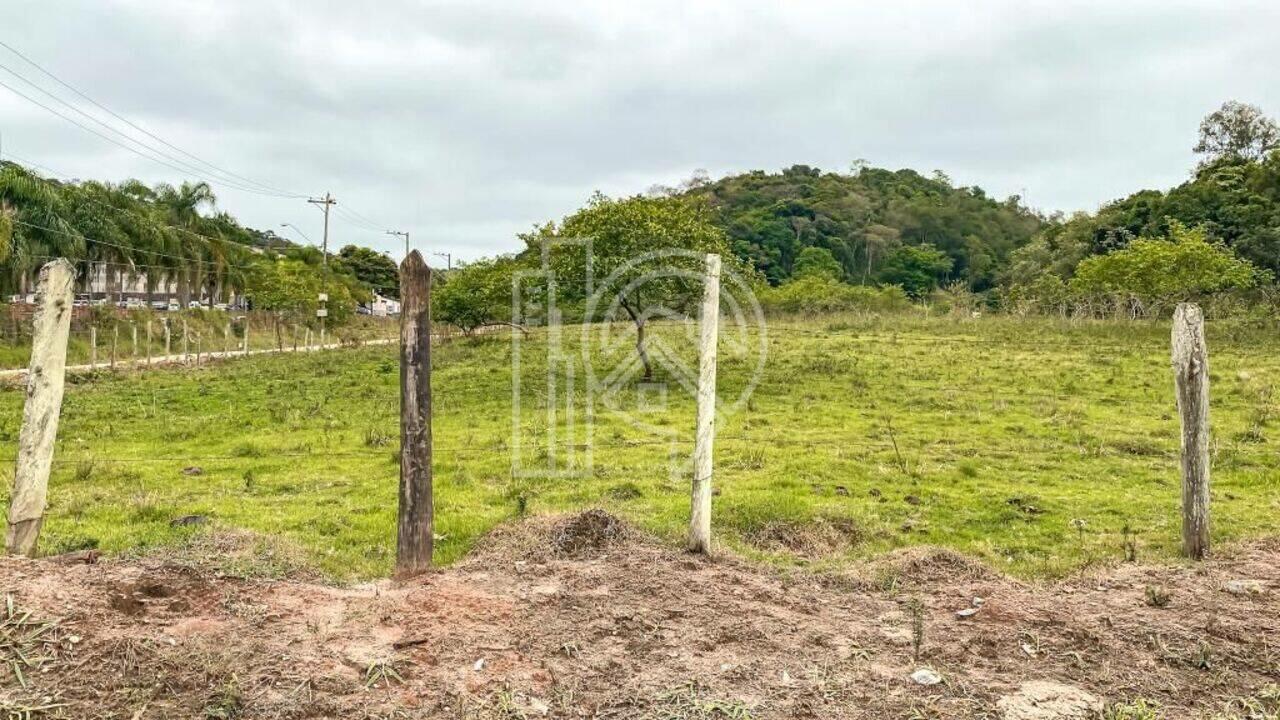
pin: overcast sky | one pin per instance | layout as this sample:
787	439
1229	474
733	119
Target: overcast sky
465	123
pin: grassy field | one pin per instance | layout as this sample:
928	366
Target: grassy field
1035	445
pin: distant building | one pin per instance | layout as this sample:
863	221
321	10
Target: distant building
383	306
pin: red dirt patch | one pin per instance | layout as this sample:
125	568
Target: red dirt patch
628	628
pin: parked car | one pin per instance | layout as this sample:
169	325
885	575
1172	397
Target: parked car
174	306
195	305
80	301
159	305
220	306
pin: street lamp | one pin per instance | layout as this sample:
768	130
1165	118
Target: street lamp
295	229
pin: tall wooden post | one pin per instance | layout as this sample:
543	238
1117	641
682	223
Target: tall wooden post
148	343
168	337
43	405
115	340
186	347
414	526
133	330
93	346
246	336
1191	385
226	341
705	433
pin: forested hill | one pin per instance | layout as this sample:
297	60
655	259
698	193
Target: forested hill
863	219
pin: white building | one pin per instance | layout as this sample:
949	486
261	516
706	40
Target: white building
383	306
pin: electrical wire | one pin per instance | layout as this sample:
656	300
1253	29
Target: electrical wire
95	201
155	253
264	188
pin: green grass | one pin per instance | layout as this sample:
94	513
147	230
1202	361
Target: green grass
1030	444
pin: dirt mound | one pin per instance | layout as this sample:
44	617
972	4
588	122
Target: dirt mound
580	617
553	537
819	538
587	533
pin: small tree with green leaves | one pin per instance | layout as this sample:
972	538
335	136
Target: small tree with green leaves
1185	266
817	262
646	253
476	294
917	268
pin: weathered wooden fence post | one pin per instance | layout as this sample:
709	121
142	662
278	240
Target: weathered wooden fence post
133	330
168	337
186	348
93	346
414	526
246	336
43	405
148	343
705	433
226	341
115	340
1191	385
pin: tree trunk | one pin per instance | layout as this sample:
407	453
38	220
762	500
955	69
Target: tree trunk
644	353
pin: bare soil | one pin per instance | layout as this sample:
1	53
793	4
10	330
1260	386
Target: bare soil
582	616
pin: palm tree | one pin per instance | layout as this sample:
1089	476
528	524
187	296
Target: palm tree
182	205
32	229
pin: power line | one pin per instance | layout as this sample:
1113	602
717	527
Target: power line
108	138
131	248
265	188
95	201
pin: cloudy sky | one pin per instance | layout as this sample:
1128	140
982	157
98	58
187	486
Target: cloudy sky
465	123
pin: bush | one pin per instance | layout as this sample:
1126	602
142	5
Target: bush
818	295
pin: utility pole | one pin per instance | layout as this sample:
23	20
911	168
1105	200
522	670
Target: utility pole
404	235
324	202
323	312
448	259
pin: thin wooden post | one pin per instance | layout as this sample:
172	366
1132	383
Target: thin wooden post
246	336
199	337
133	330
414	525
1191	386
45	379
168	336
115	340
705	433
295	338
226	341
148	343
93	346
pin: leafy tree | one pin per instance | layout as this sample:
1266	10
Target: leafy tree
917	268
476	294
817	262
292	289
1237	131
375	270
1185	266
630	240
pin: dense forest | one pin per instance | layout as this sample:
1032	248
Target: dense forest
864	220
